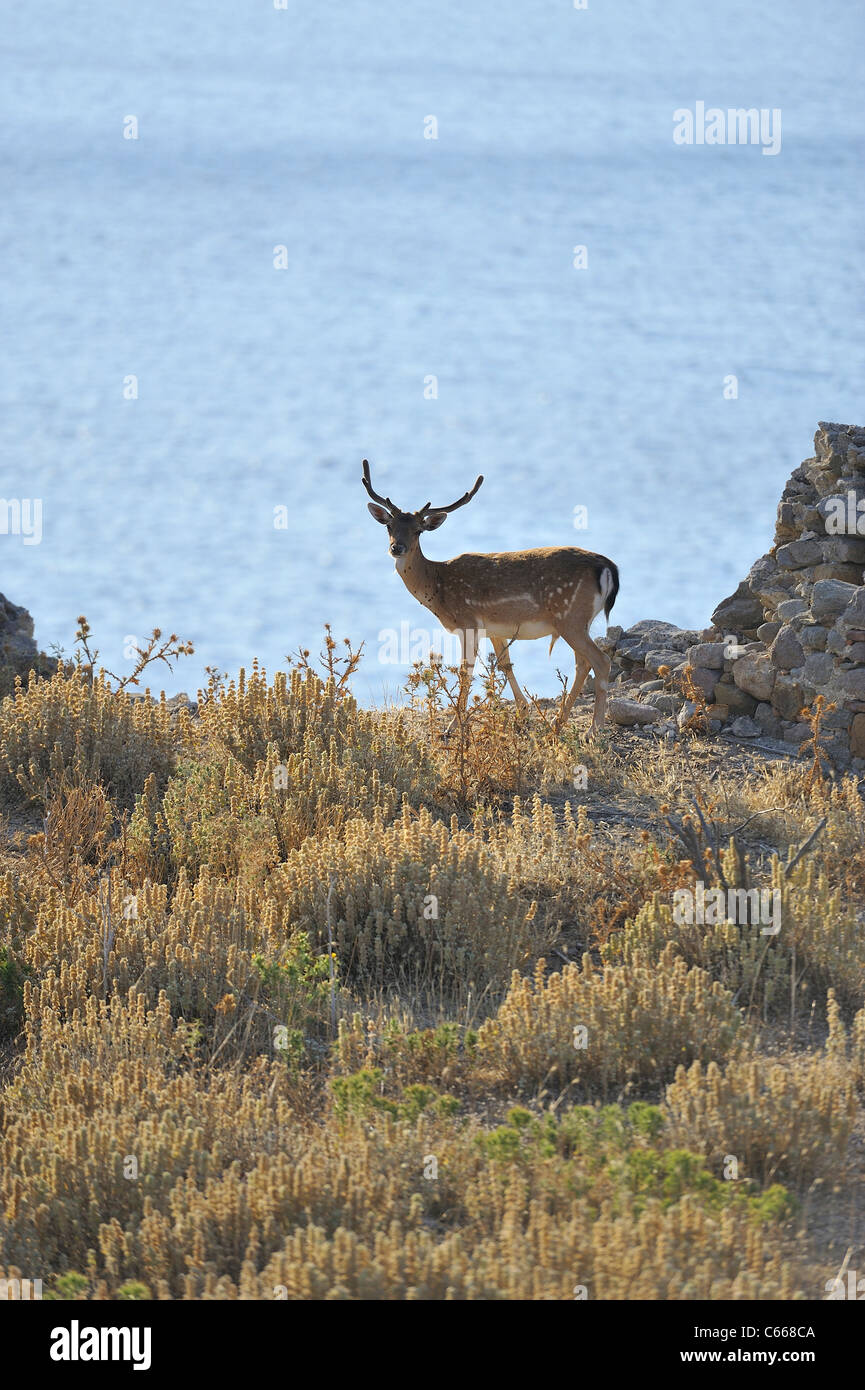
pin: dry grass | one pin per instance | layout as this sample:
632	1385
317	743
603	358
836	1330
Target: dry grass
288	1005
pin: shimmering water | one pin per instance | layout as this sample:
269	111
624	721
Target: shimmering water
409	258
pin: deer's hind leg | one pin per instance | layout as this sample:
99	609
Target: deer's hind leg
588	656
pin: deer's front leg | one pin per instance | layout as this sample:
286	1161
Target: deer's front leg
469	644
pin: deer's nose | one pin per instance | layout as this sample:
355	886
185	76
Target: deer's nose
397	548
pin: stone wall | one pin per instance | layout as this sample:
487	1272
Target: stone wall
794	628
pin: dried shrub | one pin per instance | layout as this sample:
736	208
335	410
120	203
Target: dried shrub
413	907
819	945
641	1021
787	1118
75	730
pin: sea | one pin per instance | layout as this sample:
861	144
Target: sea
245	244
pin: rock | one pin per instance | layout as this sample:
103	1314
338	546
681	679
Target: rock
819	667
743	727
733	653
853	614
829	597
182	701
857	736
629	713
705	679
767	632
16	634
840	511
665	701
686	713
838	719
651	627
797	555
740	612
852	683
736	700
786	651
648	686
755	675
788	697
708	654
813	637
848	550
847	574
768	721
654	660
791	608
796	733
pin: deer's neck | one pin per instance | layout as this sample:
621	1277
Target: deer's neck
419	575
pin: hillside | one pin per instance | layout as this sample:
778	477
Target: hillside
303	1001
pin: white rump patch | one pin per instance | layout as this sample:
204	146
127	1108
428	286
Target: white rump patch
605	584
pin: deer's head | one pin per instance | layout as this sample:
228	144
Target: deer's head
404	528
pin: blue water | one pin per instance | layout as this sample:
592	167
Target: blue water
408	258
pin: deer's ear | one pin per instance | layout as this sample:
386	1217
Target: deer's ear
433	520
379	513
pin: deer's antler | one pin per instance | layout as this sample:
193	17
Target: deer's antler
466	497
367	482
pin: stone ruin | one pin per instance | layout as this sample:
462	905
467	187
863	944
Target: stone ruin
794	628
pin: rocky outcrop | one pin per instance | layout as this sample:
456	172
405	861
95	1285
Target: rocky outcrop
17	646
793	629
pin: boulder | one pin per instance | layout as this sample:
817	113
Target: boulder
629	713
707	654
755	674
735	700
788	697
704	678
857	736
829	597
741	612
818	669
797	555
847	574
786	651
853	613
852	682
848	550
813	637
16	634
791	608
665	656
743	727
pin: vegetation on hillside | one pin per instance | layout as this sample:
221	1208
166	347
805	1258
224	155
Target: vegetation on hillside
300	1000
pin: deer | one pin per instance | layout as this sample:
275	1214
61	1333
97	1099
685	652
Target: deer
556	591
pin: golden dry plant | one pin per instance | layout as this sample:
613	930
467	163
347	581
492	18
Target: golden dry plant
75	729
303	1000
